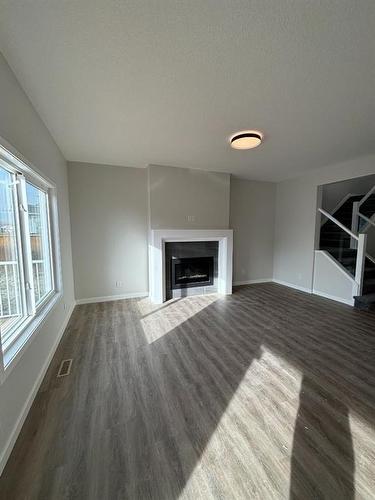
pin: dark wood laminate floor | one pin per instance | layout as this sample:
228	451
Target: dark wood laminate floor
266	394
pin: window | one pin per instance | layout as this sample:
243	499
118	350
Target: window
29	283
11	303
37	203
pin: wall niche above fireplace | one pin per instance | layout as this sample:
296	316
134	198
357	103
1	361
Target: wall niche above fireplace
191	268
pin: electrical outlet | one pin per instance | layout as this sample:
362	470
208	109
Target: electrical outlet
65	306
119	284
191	218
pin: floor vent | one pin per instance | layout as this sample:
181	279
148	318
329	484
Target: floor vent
65	367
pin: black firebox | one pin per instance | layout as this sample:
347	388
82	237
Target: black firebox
191	272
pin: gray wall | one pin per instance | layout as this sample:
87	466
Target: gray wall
252	214
177	193
109	214
21	126
296	203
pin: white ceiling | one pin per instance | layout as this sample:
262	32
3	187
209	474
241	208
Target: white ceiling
135	82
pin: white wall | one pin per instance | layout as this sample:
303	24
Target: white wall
177	193
333	193
296	218
21	126
109	214
331	280
252	217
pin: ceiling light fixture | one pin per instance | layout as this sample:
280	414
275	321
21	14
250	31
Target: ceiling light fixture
247	139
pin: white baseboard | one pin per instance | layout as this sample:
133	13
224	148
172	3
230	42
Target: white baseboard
26	407
292	285
270	280
109	298
316	292
252	282
333	297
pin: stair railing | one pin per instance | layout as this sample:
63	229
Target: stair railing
361	202
369	221
356	209
355	223
361	241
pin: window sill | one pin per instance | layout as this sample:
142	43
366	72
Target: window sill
15	351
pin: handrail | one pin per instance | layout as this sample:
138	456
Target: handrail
338	223
366	218
366	196
360	264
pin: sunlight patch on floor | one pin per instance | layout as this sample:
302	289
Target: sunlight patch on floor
160	319
253	444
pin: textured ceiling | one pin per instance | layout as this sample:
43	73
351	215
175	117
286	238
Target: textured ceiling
166	82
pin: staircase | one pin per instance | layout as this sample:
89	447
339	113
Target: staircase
337	243
368	208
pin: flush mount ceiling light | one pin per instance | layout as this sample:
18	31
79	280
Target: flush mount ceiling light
247	139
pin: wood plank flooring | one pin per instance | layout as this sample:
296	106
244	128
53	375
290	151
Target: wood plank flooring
265	394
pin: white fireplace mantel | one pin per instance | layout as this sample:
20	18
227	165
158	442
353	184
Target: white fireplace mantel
158	238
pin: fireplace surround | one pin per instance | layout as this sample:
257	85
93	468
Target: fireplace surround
158	265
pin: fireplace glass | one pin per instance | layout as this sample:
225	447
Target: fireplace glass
192	271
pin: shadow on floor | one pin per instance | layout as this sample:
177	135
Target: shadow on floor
137	419
322	464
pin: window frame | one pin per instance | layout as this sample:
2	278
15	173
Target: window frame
39	305
26	330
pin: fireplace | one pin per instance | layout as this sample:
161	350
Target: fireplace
169	244
191	268
191	272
